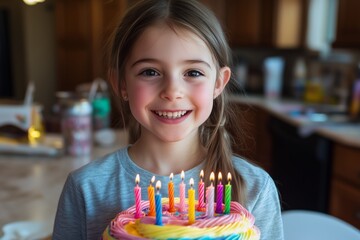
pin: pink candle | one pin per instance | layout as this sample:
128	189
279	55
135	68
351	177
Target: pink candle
210	197
219	195
182	193
137	192
201	204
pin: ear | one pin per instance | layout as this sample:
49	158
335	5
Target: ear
123	91
222	80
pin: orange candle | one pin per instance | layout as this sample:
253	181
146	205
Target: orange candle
191	207
151	196
171	194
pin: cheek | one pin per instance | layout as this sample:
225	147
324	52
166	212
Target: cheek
204	99
139	96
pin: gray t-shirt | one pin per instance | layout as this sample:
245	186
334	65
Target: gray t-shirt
96	192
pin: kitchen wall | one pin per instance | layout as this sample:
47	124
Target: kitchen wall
32	40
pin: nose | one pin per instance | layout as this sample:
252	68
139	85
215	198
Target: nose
172	89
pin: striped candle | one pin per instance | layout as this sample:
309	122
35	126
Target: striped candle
182	193
201	204
210	198
137	192
151	196
171	194
219	195
228	195
158	205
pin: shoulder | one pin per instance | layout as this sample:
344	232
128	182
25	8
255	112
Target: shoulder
258	182
252	174
100	168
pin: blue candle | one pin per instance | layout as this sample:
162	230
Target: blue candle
158	206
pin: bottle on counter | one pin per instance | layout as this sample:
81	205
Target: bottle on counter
76	126
354	108
314	92
299	80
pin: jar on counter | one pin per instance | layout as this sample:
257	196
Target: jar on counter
76	126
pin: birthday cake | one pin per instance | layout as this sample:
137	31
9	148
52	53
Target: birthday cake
237	224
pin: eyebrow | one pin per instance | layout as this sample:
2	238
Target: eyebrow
153	60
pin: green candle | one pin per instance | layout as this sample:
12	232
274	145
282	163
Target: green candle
228	195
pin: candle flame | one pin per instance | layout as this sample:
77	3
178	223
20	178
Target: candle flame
158	185
220	177
212	177
229	177
182	175
137	179
191	182
171	176
152	180
202	174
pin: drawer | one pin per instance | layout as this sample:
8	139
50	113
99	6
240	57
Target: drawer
347	163
345	202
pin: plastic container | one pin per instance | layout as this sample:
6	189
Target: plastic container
76	126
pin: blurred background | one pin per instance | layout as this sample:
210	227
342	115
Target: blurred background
297	61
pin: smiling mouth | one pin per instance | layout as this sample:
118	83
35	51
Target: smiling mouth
171	115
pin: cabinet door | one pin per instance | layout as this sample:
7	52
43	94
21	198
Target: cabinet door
348	24
82	30
73	34
345	202
250	22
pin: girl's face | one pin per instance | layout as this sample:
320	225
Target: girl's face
171	81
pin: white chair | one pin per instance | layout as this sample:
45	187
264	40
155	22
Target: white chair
311	225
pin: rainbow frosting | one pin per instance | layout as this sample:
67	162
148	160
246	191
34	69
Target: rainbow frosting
238	224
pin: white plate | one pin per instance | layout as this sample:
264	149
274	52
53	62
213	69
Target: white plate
26	230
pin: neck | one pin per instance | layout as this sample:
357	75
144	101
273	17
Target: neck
163	158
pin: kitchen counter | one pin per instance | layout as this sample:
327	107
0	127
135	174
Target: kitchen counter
30	186
338	129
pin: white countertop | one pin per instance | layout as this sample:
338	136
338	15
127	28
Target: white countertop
30	186
339	131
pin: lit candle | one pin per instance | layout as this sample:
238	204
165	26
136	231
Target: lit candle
191	207
182	193
201	204
228	195
151	196
219	195
137	192
210	197
158	206
171	194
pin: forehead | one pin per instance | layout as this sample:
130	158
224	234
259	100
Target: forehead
170	40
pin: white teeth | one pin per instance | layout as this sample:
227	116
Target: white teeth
171	115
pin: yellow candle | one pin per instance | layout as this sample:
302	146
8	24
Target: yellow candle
171	194
191	208
151	196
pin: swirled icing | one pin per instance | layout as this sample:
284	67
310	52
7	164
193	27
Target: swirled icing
239	224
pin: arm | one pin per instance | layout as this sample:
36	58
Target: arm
267	212
70	217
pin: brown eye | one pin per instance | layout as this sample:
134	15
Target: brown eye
194	73
149	73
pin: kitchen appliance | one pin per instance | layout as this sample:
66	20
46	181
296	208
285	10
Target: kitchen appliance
301	167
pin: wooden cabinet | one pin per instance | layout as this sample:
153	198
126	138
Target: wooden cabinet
345	187
253	141
262	23
82	29
348	25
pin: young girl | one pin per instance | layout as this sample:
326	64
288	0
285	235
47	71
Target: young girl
169	64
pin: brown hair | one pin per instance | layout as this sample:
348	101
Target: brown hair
194	17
